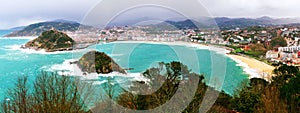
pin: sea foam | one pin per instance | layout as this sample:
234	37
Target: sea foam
18	38
253	73
68	68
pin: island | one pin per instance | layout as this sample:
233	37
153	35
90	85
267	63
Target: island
98	62
51	41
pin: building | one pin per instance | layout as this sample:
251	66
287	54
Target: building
272	55
289	49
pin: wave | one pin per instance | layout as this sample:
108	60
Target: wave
68	68
253	73
114	55
18	38
42	51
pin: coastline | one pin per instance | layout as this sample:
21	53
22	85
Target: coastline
72	69
253	67
21	38
217	49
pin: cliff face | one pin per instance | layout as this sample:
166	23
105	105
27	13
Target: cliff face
98	62
51	41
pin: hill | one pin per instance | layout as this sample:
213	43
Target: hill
223	22
51	41
98	62
38	28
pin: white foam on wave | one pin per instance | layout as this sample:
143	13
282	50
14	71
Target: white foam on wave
71	69
33	51
18	38
253	73
12	47
114	55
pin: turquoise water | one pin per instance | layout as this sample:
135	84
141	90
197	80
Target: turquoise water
15	62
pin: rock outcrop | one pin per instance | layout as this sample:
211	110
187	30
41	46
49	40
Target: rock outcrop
98	62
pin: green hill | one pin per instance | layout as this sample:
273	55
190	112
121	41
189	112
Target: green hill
98	62
51	41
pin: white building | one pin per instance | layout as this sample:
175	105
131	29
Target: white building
272	55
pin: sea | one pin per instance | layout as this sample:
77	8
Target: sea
216	66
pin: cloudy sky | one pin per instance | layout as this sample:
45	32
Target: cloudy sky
23	12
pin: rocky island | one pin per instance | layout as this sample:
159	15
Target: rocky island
51	41
98	62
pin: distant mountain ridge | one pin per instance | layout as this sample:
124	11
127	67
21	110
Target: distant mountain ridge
228	23
225	22
172	24
38	28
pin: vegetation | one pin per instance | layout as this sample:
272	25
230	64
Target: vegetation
51	93
256	50
278	42
239	50
54	93
38	28
98	62
52	41
165	82
281	95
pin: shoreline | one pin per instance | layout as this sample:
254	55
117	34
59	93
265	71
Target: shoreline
217	49
72	69
253	67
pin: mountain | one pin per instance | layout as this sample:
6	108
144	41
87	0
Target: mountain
130	21
226	23
38	28
64	21
98	62
185	24
231	23
51	41
17	28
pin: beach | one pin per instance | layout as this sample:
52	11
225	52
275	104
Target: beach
259	69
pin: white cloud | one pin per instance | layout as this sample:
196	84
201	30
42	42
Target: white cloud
253	8
22	12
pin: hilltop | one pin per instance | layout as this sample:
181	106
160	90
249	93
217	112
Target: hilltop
212	22
98	62
37	29
51	41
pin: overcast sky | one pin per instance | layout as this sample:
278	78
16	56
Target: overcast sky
23	12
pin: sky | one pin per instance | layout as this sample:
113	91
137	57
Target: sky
16	13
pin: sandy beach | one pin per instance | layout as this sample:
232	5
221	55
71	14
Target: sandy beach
264	70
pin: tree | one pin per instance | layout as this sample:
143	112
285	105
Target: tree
246	99
257	50
278	42
168	76
271	101
284	74
51	93
291	91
